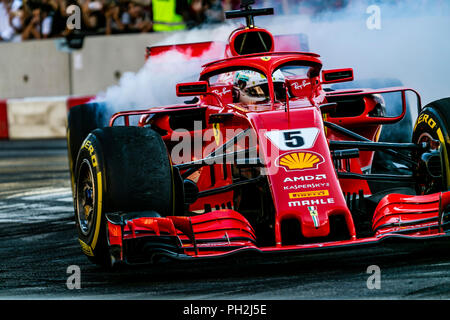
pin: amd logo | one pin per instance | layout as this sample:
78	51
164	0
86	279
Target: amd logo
317	177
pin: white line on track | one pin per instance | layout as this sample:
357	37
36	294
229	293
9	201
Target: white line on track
30	206
40	191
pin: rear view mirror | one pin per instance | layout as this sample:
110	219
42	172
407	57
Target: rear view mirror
337	75
192	88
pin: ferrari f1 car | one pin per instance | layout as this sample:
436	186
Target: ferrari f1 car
265	157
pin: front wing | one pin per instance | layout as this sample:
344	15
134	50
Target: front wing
144	237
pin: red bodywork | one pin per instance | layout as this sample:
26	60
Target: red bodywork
304	182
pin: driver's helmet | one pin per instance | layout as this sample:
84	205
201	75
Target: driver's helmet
254	88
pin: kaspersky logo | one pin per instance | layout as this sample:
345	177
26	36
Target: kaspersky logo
299	161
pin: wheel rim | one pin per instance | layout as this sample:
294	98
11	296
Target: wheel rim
85	198
426	184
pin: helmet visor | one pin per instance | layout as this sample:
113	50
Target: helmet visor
259	91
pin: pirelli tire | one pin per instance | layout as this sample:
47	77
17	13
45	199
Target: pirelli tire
119	169
433	122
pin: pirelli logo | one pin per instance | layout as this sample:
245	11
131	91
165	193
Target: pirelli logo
308	194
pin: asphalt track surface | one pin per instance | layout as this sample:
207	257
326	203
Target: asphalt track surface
38	243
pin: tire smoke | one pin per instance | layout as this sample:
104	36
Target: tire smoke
410	45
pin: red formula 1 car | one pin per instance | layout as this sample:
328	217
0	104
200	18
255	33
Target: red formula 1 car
265	158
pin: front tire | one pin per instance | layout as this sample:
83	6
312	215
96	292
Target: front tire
433	124
119	169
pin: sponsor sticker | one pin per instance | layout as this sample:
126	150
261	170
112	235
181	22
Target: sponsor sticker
223	92
299	161
216	130
309	194
301	86
295	139
307	186
316	177
301	203
427	119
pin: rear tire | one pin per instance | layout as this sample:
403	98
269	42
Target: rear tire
81	120
119	169
433	122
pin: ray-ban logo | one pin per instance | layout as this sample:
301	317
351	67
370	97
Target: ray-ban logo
301	86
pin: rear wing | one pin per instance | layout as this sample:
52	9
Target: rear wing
208	50
216	50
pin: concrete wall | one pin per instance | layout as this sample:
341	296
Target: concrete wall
39	69
40	80
103	60
33	68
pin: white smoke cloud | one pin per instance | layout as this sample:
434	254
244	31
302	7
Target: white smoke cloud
411	45
154	84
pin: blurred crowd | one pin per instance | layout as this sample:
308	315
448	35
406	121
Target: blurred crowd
40	19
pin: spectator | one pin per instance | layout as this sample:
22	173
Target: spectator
231	5
197	12
137	18
11	20
214	12
38	19
94	20
134	19
114	16
17	17
5	26
169	15
60	17
34	24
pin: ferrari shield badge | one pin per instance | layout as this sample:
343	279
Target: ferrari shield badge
314	215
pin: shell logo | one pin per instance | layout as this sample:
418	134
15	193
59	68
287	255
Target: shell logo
300	160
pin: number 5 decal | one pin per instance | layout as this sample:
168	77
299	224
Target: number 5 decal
293	139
